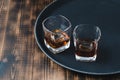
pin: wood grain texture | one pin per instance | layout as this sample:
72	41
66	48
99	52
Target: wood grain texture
20	57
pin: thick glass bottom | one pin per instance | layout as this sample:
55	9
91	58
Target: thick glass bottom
57	50
86	59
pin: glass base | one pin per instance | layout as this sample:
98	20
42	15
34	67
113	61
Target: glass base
86	59
57	50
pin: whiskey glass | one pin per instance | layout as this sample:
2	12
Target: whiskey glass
86	37
57	32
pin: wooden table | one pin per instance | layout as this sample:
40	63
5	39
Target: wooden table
20	57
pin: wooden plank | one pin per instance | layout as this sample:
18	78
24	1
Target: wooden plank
4	10
24	45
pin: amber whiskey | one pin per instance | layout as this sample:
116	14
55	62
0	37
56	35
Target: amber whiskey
57	38
86	48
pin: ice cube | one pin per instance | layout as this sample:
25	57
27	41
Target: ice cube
59	36
87	47
56	36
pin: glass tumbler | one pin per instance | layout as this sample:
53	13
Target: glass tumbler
57	31
86	39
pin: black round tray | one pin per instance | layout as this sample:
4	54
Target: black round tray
103	13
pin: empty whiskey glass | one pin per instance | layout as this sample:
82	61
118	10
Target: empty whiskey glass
57	32
86	39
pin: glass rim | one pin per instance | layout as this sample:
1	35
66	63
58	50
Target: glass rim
60	16
81	25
